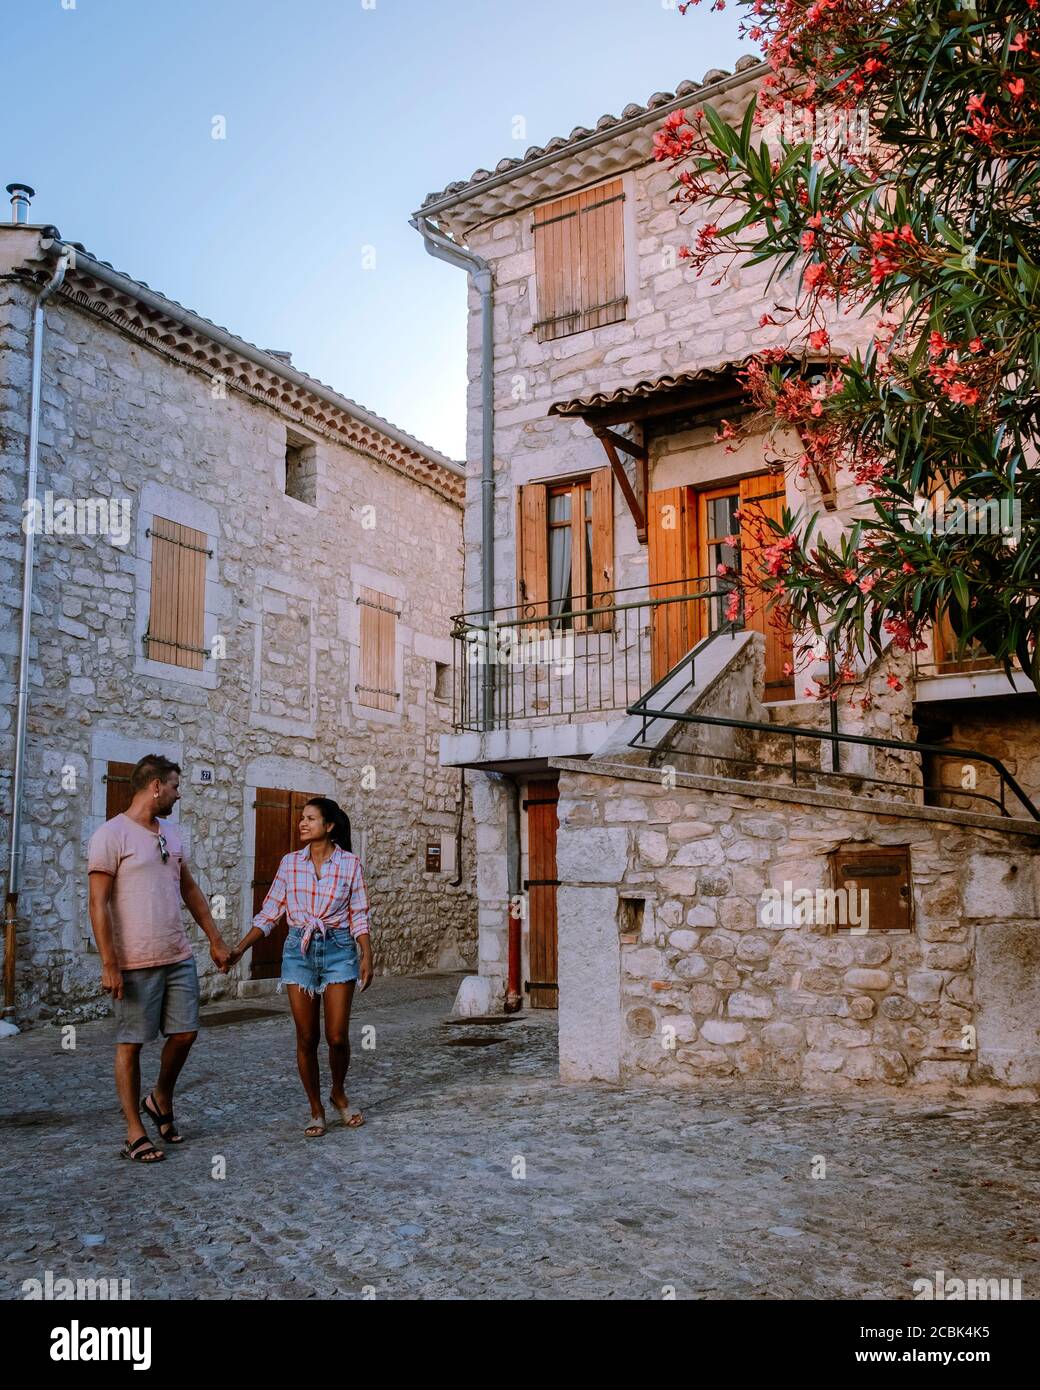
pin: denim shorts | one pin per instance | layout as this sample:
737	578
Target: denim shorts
159	998
331	959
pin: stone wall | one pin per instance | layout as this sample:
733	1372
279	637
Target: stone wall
671	974
280	708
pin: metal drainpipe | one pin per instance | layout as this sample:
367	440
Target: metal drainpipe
14	865
440	246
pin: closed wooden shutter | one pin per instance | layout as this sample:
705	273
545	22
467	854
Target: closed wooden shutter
580	261
118	795
765	493
532	551
377	683
602	485
672	544
177	616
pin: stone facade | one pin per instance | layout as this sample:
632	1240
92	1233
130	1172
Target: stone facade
277	704
672	971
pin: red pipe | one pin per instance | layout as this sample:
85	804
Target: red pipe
513	996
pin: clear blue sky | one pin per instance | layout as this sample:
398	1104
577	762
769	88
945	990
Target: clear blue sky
340	117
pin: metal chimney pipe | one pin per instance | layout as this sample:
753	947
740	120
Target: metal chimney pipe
21	195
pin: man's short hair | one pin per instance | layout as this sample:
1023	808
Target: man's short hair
148	768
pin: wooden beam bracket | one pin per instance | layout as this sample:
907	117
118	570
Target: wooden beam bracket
612	441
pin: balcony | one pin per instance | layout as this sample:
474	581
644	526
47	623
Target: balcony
538	680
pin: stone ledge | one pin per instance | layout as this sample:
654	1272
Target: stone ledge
767	791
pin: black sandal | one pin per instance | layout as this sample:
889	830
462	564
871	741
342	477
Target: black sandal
162	1120
135	1152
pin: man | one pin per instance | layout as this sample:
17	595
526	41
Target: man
138	880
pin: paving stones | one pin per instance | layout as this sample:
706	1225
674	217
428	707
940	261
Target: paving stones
478	1174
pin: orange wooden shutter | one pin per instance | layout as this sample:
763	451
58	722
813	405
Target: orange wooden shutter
378	668
602	486
177	616
765	493
532	551
672	544
580	261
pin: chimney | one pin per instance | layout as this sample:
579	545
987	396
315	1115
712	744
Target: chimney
282	356
21	194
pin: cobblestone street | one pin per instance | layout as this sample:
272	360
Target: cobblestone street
478	1175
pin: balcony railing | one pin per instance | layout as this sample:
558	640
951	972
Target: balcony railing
546	661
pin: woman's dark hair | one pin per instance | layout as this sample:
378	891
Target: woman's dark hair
333	814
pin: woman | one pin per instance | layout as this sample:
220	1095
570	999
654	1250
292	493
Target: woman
321	891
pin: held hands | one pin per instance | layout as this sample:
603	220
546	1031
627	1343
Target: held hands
222	955
365	965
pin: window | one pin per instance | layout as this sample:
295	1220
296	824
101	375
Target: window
565	550
579	248
301	469
441	681
177	615
376	685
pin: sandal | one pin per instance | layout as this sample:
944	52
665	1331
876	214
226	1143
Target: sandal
352	1119
316	1127
162	1121
135	1152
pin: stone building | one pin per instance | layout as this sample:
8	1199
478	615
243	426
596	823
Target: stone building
244	570
632	838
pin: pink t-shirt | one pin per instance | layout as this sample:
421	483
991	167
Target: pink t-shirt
147	923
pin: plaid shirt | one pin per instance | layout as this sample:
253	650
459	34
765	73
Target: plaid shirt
316	904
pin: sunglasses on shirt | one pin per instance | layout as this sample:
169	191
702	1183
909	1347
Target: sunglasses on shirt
164	848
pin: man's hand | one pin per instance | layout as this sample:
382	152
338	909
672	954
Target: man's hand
112	980
221	955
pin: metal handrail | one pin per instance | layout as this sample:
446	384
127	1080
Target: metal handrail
460	623
795	731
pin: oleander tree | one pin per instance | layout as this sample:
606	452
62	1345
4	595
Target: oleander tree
890	167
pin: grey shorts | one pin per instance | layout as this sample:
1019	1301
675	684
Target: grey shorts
161	998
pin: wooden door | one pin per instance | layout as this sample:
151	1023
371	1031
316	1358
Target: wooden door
764	493
118	795
671	538
277	833
542	824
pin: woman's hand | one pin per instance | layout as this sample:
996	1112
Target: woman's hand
365	967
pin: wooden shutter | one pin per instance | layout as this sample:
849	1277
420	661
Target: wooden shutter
580	261
602	486
532	551
672	545
377	683
542	941
764	493
177	617
118	795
